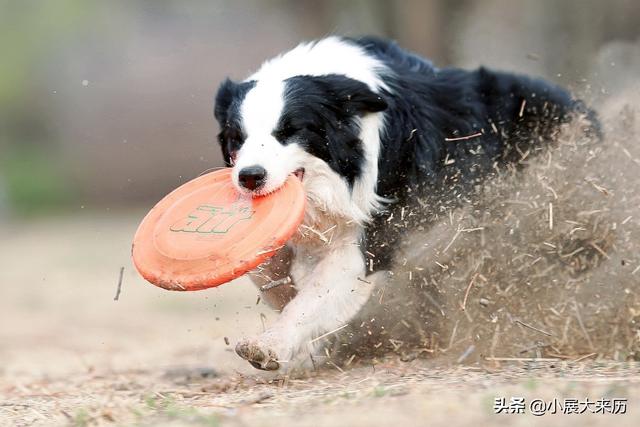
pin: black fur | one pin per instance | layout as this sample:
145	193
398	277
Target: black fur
226	110
319	115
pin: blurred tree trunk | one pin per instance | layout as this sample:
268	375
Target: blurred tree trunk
424	26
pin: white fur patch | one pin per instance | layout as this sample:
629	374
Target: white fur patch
329	295
331	55
262	107
364	189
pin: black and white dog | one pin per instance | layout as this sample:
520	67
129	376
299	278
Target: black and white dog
369	128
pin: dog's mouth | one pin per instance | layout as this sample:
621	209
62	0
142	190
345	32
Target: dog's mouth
299	173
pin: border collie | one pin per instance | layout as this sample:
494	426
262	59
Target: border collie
370	129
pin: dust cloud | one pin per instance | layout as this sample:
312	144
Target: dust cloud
544	264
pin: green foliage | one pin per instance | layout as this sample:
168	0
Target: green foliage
28	30
531	384
34	180
379	391
81	418
169	409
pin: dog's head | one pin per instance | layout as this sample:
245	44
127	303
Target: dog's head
307	125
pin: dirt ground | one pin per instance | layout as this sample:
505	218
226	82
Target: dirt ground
71	355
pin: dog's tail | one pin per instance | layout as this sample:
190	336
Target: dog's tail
521	108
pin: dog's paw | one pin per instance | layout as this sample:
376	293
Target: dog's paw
258	355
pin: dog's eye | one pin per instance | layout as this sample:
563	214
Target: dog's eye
285	132
231	138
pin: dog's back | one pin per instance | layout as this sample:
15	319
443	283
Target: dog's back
438	118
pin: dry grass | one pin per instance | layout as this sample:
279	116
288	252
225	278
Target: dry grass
362	396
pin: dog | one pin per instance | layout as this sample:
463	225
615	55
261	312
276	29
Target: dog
372	131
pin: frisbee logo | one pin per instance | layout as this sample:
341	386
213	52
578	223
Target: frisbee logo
208	219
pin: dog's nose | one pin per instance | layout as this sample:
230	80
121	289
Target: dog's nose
252	177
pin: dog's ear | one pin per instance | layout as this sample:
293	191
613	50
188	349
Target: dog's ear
354	96
224	97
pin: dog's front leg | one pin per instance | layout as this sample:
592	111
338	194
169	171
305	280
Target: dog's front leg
329	295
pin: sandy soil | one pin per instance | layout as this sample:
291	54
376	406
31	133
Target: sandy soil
71	355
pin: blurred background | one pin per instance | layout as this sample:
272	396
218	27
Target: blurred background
107	106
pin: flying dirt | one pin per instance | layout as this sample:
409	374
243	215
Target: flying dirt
544	263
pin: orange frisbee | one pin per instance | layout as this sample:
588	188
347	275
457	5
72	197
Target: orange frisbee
205	233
